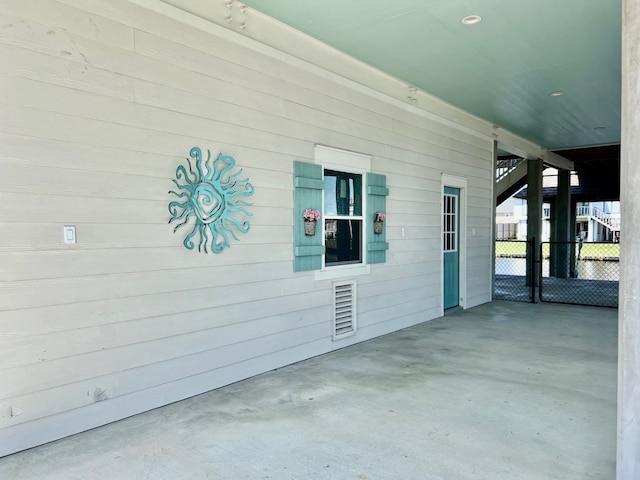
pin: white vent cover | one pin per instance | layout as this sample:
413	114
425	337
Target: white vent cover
344	309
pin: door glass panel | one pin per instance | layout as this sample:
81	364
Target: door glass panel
450	234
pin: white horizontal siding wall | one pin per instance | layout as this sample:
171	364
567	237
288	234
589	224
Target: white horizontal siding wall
101	101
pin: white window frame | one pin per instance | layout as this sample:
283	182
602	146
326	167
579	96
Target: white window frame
349	162
362	218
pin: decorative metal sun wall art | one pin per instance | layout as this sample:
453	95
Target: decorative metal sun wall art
212	196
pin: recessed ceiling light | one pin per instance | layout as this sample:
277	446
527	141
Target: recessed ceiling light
557	93
471	19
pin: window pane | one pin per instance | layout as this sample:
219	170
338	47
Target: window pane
342	239
330	207
342	193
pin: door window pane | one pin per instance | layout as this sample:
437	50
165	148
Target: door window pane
450	223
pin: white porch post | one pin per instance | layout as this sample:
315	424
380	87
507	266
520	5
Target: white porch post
628	451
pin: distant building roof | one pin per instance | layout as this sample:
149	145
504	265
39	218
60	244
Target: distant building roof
584	188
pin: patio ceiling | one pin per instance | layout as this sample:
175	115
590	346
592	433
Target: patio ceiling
502	69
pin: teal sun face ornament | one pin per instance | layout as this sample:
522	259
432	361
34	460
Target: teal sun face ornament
212	196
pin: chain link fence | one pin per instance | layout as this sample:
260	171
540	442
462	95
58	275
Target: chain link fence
513	274
580	273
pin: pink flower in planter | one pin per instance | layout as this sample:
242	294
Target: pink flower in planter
312	215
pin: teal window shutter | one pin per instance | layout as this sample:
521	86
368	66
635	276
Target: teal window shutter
308	185
377	192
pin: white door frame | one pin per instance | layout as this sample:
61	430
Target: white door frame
461	183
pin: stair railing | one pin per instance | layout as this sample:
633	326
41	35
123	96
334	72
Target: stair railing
504	166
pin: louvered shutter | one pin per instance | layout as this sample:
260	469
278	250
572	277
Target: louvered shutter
308	187
377	192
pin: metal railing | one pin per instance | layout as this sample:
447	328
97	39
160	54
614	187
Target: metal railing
504	166
579	273
514	278
562	272
583	210
613	222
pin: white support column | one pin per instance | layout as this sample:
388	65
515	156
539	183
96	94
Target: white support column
628	452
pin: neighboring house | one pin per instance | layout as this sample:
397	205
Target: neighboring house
509	218
596	221
518	222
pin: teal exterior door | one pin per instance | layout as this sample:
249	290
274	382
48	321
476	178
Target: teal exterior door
451	243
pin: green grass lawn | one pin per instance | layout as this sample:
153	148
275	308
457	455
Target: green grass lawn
596	250
600	250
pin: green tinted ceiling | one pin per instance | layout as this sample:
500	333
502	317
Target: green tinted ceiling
501	69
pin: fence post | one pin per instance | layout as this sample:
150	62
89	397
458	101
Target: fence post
532	270
541	268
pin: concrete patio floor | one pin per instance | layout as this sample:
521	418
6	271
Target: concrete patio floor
502	391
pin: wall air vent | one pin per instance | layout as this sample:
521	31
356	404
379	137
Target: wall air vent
344	309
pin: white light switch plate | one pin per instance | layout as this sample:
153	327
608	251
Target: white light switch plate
69	234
